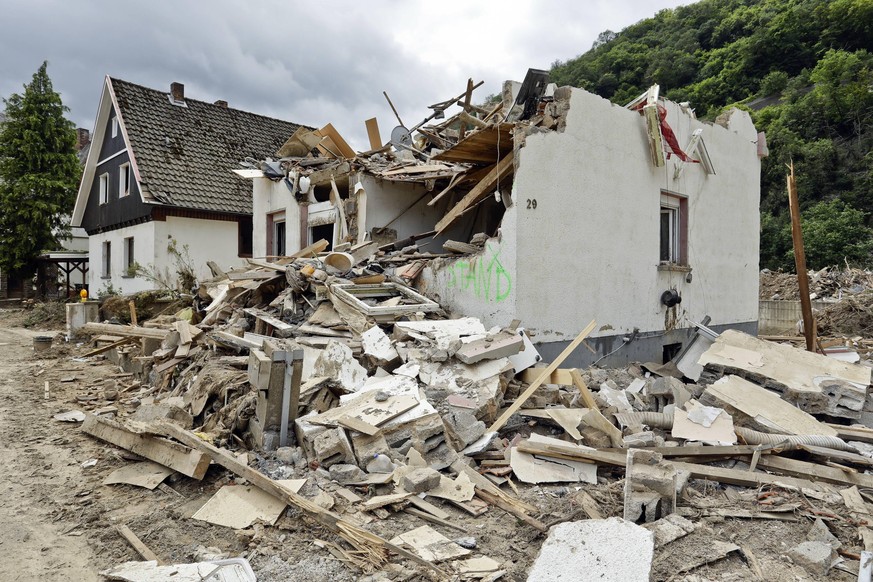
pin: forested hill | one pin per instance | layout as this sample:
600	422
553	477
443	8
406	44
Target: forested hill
803	68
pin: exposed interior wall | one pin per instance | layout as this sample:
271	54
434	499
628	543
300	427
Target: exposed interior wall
588	248
270	197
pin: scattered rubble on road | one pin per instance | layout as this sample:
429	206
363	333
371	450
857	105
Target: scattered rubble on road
354	418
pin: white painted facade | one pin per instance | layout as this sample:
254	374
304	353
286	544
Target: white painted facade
201	240
589	246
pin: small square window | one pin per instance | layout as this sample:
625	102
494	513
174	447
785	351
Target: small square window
104	188
106	264
114	127
124	180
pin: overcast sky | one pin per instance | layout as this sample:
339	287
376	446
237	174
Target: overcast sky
306	62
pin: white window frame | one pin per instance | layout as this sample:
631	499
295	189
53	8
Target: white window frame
672	211
129	255
104	188
106	260
114	126
124	179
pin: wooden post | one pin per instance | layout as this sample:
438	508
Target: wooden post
800	263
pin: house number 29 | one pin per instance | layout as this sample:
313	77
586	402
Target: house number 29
531	203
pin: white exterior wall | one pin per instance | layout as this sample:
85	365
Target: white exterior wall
590	248
269	197
207	240
143	250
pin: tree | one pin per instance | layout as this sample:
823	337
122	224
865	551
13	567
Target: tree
834	232
39	173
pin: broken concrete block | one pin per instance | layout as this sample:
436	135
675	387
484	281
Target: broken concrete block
420	480
331	447
337	362
817	557
346	473
462	428
594	550
643	439
377	346
458	327
649	487
259	369
306	433
501	345
670	528
151	412
819	532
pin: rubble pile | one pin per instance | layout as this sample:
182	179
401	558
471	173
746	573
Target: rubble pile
828	283
370	391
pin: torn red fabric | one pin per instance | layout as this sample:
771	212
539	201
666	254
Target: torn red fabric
667	132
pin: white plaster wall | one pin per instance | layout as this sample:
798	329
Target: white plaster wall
143	250
590	248
204	240
269	197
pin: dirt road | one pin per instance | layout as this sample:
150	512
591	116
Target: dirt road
38	477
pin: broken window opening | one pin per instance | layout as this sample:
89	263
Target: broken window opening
279	238
321	231
106	270
673	230
670	351
123	180
245	242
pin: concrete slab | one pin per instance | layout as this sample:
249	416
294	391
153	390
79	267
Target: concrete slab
595	551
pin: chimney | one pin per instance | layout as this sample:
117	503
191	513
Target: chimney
83	138
221	103
177	91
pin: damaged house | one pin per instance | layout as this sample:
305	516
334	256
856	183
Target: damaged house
565	207
153	198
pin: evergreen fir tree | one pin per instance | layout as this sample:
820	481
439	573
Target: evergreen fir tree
39	173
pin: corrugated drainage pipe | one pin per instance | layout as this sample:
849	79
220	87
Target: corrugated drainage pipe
752	437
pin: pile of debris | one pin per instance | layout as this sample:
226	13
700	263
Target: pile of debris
353	378
830	283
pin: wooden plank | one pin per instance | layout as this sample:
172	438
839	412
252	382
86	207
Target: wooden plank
720	474
833	455
483	189
814	471
428	507
370	546
125	330
184	332
132	307
358	425
138	545
541	379
282	329
177	457
111	346
342	146
800	262
584	392
853	433
373	133
432	518
310	251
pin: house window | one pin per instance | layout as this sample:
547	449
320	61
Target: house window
104	188
673	230
244	236
279	238
114	127
123	180
129	260
106	271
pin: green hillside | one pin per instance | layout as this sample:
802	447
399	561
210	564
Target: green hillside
802	67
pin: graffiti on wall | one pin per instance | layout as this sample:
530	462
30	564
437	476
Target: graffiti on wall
482	275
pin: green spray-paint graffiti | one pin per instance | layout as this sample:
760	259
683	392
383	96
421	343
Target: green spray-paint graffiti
482	275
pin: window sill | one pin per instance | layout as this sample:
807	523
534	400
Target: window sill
674	268
105	277
128	276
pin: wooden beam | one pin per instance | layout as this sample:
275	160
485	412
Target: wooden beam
111	346
800	263
546	373
132	307
125	330
479	192
138	545
373	133
584	392
815	471
175	456
370	547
